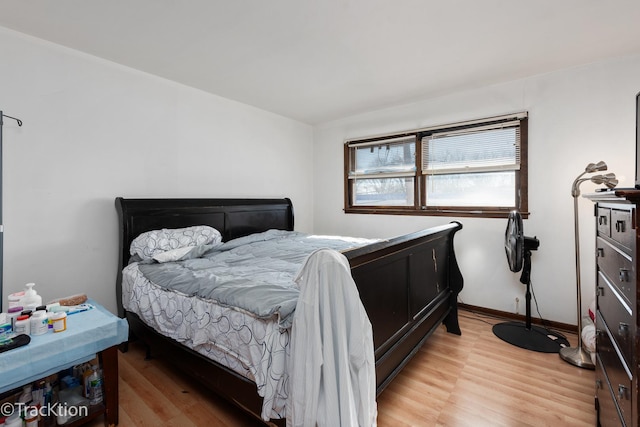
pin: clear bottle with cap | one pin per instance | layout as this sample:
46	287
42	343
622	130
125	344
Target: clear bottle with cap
95	386
31	299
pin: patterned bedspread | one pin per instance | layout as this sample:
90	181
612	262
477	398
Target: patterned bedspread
254	273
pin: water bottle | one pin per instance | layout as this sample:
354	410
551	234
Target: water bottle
95	386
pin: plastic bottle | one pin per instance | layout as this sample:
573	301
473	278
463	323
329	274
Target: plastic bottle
13	314
14	419
27	396
39	323
31	299
22	325
31	417
14	299
59	321
95	386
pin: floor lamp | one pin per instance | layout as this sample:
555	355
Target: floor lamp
577	355
2	226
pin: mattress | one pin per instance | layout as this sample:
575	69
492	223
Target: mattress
253	346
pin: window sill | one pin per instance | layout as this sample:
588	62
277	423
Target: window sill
448	212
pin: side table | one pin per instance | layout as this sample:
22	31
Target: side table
93	332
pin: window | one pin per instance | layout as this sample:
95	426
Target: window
476	168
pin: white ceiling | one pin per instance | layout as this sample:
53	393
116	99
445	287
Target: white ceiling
319	60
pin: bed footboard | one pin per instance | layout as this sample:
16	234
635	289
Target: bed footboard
409	286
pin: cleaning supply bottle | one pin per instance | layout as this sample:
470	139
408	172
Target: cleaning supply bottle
31	299
95	386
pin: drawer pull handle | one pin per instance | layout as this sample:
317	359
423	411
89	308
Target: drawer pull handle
624	275
601	342
600	253
620	226
600	291
602	220
599	384
622	392
623	329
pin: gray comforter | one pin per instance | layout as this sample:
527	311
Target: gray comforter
254	273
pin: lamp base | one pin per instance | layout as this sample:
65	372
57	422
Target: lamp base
577	356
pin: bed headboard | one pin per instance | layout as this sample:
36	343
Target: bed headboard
232	217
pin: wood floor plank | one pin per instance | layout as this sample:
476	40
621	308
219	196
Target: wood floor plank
139	412
474	379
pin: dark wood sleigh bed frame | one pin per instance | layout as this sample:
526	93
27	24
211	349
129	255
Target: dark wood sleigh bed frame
408	284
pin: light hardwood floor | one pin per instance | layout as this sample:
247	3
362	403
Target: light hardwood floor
470	380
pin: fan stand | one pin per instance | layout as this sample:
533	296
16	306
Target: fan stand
525	335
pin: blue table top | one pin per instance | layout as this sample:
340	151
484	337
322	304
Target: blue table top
88	333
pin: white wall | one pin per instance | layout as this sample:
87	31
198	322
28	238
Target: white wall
94	130
576	116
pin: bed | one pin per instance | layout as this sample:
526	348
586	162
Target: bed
408	285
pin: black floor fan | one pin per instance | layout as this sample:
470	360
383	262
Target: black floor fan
525	335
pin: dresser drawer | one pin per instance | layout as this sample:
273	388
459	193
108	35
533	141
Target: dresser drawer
615	370
622	230
604	221
618	317
608	414
618	267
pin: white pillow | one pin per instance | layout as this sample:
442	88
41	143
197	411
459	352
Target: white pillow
154	242
181	254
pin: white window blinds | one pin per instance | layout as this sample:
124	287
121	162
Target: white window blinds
487	148
389	158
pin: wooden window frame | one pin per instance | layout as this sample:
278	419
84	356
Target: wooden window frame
420	206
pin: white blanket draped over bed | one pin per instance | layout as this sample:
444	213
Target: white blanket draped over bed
331	364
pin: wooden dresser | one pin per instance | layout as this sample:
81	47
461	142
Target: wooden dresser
617	340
